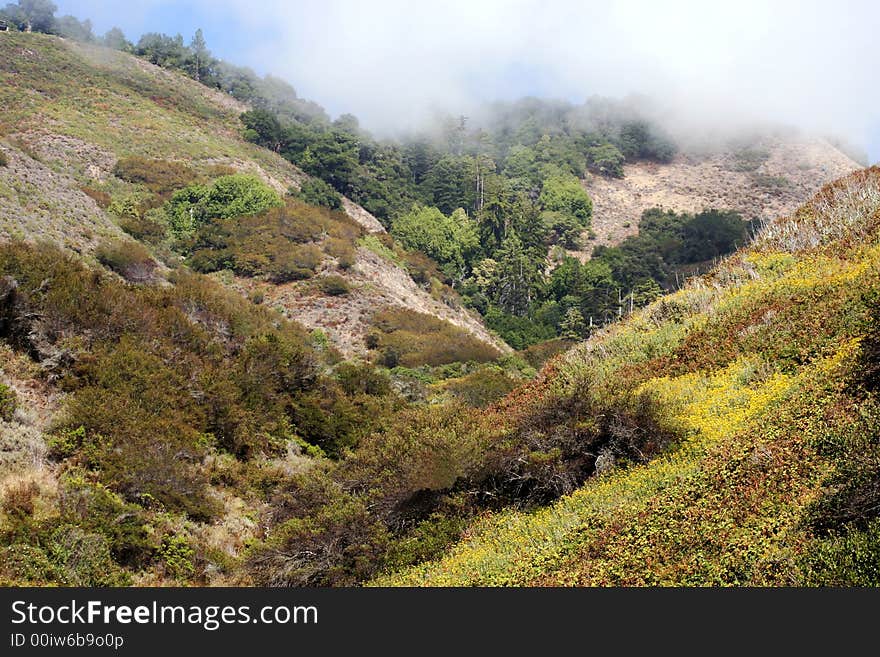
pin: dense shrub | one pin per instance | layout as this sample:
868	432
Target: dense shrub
343	250
22	564
411	339
83	559
223	198
334	286
8	402
538	354
359	378
158	377
481	388
93	508
145	228
295	262
4	159
605	159
159	176
283	244
128	259
316	192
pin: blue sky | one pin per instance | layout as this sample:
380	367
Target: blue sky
393	62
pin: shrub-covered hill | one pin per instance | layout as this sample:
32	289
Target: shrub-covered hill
95	142
766	372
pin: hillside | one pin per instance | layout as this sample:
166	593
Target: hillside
216	369
72	111
768	177
767	370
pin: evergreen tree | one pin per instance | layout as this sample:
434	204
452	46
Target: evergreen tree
573	325
200	56
518	276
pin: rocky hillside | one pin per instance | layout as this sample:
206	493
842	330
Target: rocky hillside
71	111
764	178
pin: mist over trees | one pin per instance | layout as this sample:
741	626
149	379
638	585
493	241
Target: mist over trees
495	199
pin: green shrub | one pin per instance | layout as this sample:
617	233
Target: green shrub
850	558
334	286
316	192
359	378
295	263
481	388
8	402
177	555
146	229
93	508
342	250
4	159
605	159
223	198
126	207
25	565
282	244
565	194
84	559
129	259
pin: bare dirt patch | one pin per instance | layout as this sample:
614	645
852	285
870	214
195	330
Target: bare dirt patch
788	173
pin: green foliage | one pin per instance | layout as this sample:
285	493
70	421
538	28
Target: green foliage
566	195
93	508
4	159
566	227
848	559
8	402
449	239
176	555
642	140
316	192
482	387
84	559
518	332
573	326
358	378
22	565
223	198
605	159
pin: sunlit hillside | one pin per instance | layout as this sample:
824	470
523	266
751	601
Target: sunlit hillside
768	370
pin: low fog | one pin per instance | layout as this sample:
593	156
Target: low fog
708	68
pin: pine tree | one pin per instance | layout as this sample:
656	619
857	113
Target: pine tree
573	325
518	276
200	55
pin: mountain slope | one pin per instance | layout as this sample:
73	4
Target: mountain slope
71	111
768	177
767	367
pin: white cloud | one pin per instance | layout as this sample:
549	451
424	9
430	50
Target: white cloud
806	63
